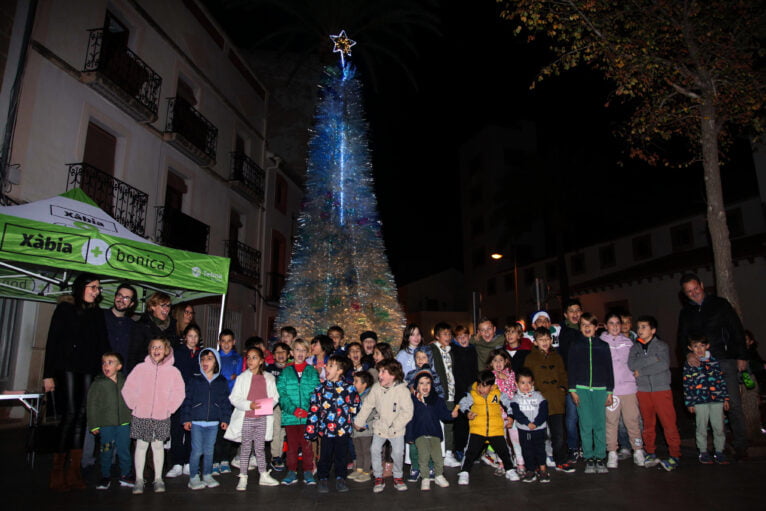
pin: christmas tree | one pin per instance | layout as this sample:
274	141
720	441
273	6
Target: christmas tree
339	272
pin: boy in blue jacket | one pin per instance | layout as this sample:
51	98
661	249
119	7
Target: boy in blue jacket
231	366
332	408
205	410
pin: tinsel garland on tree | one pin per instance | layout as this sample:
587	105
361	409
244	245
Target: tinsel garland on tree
339	273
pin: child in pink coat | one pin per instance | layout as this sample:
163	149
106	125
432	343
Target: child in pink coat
153	390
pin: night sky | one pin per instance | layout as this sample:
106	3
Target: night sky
477	73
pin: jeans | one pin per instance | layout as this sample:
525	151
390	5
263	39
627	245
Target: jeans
573	433
202	444
111	438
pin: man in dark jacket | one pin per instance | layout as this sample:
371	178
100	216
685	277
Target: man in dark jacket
714	318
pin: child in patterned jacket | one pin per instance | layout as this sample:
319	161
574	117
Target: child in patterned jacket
706	396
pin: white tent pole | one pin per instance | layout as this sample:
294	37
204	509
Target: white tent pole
220	317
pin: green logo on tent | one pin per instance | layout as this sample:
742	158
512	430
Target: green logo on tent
139	260
51	244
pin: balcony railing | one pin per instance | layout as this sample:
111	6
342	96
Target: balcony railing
245	260
121	201
121	75
190	132
247	177
276	283
175	229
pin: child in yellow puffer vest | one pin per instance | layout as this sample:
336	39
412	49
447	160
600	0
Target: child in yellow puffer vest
484	405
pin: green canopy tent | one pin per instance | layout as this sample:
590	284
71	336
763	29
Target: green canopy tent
45	244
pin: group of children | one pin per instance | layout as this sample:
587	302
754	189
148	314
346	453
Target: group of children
361	407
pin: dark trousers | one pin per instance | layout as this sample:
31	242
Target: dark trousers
460	432
556	429
75	393
180	441
476	445
533	447
333	451
225	450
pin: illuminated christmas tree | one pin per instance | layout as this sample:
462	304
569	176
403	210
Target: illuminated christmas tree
339	272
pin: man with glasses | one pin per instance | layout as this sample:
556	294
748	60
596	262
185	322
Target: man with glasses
119	323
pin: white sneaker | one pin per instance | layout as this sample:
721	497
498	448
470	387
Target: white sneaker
463	478
235	462
210	482
611	461
176	471
252	464
441	481
425	484
638	457
450	460
267	480
512	475
242	484
138	487
195	483
186	469
624	454
550	462
159	486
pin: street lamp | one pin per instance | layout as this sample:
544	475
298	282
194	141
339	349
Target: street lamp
496	256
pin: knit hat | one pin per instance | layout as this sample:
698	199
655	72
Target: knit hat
369	334
540	314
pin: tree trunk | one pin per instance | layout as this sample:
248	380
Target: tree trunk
716	212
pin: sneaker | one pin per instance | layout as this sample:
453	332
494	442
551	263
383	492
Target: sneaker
623	454
252	464
458	456
127	481
322	486
463	478
138	487
705	458
104	483
638	457
572	457
235	462
512	475
159	486
350	466
491	459
176	471
242	483
340	485
601	467
450	460
216	468
612	458
720	458
425	484
308	478
669	464
399	484
414	476
277	465
210	482
565	467
379	485
651	460
290	478
267	480
529	477
499	471
544	477
195	483
590	466
186	469
441	481
363	477
225	468
549	462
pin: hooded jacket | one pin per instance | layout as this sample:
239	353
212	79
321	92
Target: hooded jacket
427	417
619	347
529	409
332	409
154	391
207	399
394	407
704	384
488	409
106	407
652	364
550	378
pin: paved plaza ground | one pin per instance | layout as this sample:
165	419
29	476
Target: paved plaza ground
740	486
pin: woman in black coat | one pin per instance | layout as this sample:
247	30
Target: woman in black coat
77	338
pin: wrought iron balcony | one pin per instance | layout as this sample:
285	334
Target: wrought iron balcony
188	131
276	283
247	177
245	261
121	201
175	229
120	75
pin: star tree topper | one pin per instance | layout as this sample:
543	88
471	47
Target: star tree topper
342	45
